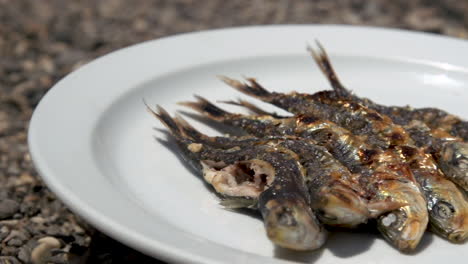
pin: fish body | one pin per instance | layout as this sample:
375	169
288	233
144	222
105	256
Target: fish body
334	192
414	141
272	180
445	134
383	181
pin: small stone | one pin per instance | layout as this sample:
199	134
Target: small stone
42	251
10	223
4	231
9	251
38	220
15	242
9	260
8	208
53	230
24	254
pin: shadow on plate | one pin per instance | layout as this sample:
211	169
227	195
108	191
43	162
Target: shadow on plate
298	256
348	243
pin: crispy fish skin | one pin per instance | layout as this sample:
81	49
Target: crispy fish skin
384	180
434	118
386	134
446	204
273	179
335	194
439	192
427	126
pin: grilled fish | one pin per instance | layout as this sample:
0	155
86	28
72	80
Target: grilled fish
445	134
271	179
383	176
335	194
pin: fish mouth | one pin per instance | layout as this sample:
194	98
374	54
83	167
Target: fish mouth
458	236
293	226
241	179
403	233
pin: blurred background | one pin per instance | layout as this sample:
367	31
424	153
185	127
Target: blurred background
43	40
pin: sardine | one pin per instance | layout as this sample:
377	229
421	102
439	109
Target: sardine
272	180
383	176
335	194
381	132
427	127
416	150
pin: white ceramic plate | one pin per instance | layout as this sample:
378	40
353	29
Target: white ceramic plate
93	142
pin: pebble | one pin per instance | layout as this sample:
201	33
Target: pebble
42	251
4	232
15	242
9	260
8	208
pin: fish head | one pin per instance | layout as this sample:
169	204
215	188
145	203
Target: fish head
342	207
291	224
453	160
405	226
401	230
449	213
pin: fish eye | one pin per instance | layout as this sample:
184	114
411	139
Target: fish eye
394	220
443	209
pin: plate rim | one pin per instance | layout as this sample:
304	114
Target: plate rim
152	247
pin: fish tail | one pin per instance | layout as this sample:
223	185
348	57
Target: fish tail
163	116
323	61
187	129
207	108
252	88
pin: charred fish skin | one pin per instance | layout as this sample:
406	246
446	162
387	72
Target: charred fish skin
277	184
394	182
353	116
446	204
335	194
440	193
347	148
451	153
434	118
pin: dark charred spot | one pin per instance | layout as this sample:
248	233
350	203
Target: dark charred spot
306	119
397	137
408	152
343	198
374	116
367	155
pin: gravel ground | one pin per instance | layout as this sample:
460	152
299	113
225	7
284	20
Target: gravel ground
43	40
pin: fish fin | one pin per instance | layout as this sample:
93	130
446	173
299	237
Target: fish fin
187	129
254	89
163	116
323	61
205	107
377	208
238	202
252	108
